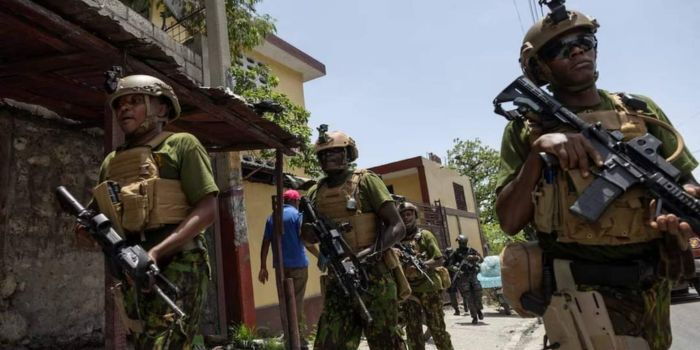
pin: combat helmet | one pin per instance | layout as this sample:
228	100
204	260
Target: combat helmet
462	240
149	86
408	206
334	139
547	28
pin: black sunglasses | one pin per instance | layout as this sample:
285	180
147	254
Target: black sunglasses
562	48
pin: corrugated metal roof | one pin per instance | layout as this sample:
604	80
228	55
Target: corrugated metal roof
54	53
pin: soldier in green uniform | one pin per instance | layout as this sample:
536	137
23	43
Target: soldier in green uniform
561	51
358	200
464	263
425	301
166	199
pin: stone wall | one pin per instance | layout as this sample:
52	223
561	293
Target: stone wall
51	291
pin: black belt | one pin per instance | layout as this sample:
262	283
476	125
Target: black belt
629	275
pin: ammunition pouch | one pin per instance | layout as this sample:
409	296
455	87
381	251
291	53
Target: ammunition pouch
521	274
403	287
142	206
576	320
444	277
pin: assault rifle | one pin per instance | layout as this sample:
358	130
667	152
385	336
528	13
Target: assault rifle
626	164
124	261
409	256
342	262
460	269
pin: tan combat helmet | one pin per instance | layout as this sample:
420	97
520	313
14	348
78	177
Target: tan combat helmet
542	32
334	139
149	86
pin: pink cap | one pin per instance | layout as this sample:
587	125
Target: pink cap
291	195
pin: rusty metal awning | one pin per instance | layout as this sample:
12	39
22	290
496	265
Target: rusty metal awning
54	53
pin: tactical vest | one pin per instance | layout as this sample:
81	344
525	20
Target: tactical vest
342	205
134	197
626	219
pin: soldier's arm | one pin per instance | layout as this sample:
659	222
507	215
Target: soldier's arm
514	206
394	230
201	216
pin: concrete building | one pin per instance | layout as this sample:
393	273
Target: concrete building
446	199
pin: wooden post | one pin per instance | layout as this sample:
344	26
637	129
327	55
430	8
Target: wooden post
114	332
285	287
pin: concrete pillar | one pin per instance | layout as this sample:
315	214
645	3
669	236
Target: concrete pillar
219	51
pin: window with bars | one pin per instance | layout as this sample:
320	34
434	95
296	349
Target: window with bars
459	196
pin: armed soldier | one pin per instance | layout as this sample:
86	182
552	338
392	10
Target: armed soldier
360	206
425	301
159	192
464	262
452	290
630	255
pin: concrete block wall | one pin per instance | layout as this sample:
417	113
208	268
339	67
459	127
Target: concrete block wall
51	291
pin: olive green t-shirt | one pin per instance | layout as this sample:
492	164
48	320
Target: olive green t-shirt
372	192
515	145
180	157
428	244
515	148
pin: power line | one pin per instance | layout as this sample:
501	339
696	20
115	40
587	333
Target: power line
532	13
522	29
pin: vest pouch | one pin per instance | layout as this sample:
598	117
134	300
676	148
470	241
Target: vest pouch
544	199
167	203
112	210
134	198
364	231
391	260
444	276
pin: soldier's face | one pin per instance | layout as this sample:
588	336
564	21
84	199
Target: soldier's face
408	217
576	62
130	111
333	159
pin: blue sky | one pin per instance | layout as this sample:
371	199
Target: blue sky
406	77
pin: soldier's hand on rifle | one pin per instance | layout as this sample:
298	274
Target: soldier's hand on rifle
473	257
322	262
308	233
572	150
411	272
671	224
83	238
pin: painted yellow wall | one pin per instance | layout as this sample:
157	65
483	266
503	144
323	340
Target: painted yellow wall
408	186
291	82
440	187
440	179
258	208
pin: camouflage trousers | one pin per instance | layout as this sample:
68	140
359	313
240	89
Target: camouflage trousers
645	314
341	324
426	306
470	289
189	271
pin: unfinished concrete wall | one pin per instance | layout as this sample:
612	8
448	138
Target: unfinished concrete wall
51	292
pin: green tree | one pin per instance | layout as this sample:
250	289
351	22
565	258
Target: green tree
480	163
